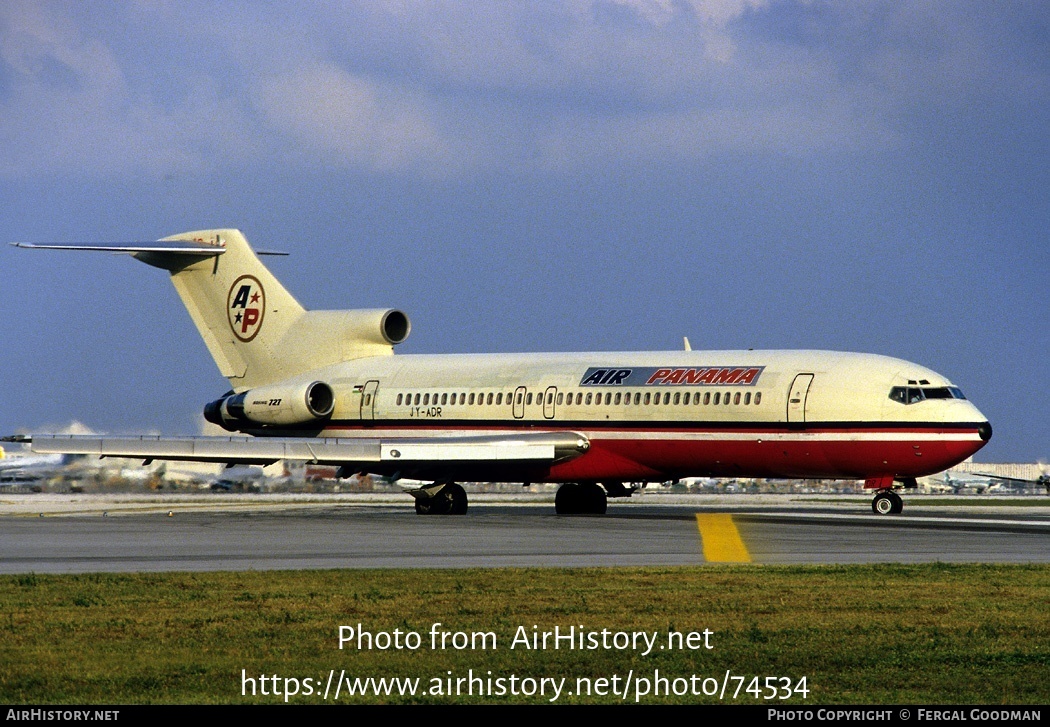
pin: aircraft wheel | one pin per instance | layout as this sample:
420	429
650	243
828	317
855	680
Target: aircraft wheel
567	501
883	503
898	504
447	502
457	498
581	499
595	500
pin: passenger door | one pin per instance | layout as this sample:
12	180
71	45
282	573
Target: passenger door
796	404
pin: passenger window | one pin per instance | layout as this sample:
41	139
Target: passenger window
608	398
718	397
637	397
399	399
647	398
747	398
488	398
758	398
559	399
707	398
444	399
588	399
667	397
426	399
617	399
677	397
725	399
736	399
528	398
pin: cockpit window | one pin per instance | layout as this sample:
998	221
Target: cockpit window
915	394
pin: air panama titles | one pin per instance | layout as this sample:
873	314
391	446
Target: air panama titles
676	376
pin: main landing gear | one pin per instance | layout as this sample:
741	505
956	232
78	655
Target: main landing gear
441	499
587	498
887	502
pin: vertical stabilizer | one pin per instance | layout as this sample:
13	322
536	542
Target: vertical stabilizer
241	310
255	330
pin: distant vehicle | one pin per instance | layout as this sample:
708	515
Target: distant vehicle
240	478
324	387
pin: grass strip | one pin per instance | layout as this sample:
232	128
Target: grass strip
866	634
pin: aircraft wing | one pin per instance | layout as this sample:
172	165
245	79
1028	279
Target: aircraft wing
367	454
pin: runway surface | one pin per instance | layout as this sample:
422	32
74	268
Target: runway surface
84	533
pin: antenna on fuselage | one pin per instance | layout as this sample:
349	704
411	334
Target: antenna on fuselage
685	342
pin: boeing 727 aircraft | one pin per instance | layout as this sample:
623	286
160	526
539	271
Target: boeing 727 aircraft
325	387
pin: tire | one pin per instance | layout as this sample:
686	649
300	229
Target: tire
441	503
883	504
898	504
595	500
456	497
567	501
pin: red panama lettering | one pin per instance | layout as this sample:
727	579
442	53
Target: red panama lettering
659	375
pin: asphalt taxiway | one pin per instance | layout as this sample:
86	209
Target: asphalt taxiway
91	533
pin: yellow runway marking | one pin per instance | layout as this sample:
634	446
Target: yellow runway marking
721	539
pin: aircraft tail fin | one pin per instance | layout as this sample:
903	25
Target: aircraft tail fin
255	330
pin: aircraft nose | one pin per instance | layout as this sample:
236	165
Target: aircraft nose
985	430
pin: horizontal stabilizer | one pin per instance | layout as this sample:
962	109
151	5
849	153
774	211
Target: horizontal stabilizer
170	247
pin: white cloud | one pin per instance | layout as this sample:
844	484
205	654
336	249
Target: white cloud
444	88
351	120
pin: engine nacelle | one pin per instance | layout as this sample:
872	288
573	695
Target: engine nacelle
278	404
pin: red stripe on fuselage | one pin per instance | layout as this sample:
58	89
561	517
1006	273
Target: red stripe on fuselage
658	453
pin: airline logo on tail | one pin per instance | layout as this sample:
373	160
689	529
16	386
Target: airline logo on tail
245	307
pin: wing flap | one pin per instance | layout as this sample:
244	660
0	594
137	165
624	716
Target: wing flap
526	447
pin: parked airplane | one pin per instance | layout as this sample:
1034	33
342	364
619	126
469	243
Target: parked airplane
29	470
325	387
1041	482
959	482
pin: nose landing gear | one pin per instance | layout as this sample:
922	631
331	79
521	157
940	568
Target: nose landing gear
887	502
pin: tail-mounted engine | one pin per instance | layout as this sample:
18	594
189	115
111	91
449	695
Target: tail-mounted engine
278	404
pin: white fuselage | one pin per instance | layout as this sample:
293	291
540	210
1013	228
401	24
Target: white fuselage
662	415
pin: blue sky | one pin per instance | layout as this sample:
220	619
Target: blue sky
581	175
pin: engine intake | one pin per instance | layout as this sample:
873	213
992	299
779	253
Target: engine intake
278	404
